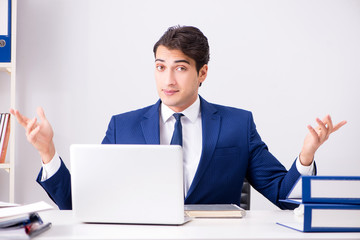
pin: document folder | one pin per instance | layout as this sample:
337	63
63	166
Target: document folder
326	218
5	30
326	189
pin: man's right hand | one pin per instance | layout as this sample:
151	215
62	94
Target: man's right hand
39	134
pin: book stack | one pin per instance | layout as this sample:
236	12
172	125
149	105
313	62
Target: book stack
327	204
22	222
214	211
4	134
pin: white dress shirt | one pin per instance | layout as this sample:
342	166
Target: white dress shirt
192	137
192	143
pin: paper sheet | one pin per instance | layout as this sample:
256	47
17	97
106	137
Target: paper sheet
19	210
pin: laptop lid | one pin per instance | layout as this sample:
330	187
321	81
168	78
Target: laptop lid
141	184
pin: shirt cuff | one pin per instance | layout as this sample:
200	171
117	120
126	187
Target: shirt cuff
50	168
305	170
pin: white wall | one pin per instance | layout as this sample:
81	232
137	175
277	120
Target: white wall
286	61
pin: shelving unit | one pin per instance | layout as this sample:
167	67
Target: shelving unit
10	68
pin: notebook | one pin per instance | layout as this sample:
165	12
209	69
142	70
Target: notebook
135	184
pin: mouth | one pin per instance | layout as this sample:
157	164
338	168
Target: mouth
169	92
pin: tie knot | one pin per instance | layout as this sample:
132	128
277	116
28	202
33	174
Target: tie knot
177	116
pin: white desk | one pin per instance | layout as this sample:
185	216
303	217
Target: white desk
256	225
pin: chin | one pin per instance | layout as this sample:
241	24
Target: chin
168	100
169	103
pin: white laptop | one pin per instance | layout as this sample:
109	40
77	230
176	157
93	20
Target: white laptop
136	184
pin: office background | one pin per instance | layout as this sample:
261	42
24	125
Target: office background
286	61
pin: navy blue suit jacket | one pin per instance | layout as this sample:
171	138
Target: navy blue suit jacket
232	150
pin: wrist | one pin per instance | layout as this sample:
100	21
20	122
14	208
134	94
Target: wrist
306	159
48	155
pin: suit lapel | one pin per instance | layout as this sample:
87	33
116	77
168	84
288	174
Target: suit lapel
210	133
150	125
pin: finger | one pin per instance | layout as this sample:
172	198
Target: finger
30	126
40	112
322	125
313	132
339	125
328	123
323	130
32	136
20	118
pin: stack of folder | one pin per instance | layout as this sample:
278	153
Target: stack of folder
22	222
329	203
23	227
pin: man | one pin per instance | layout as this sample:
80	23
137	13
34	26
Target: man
221	145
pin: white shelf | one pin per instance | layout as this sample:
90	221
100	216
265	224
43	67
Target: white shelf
11	69
5	65
4	165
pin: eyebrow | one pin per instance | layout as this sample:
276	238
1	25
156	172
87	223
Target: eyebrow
177	61
185	61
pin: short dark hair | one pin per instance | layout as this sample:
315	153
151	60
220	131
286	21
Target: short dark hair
190	40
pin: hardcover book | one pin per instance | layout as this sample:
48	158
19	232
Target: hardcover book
214	211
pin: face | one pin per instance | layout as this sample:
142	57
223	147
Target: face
177	80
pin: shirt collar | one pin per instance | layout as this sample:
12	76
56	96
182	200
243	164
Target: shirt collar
192	112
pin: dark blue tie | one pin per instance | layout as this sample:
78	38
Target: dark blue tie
177	135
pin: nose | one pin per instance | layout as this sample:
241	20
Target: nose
170	78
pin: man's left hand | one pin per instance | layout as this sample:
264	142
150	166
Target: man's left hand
316	137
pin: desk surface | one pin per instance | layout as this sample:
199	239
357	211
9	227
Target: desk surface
256	225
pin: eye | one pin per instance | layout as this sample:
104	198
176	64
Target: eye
160	68
181	69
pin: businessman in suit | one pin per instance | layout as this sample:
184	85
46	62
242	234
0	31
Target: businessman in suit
221	145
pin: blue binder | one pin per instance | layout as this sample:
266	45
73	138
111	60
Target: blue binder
326	218
5	40
326	189
349	194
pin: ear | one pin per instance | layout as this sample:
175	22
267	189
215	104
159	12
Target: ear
203	74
